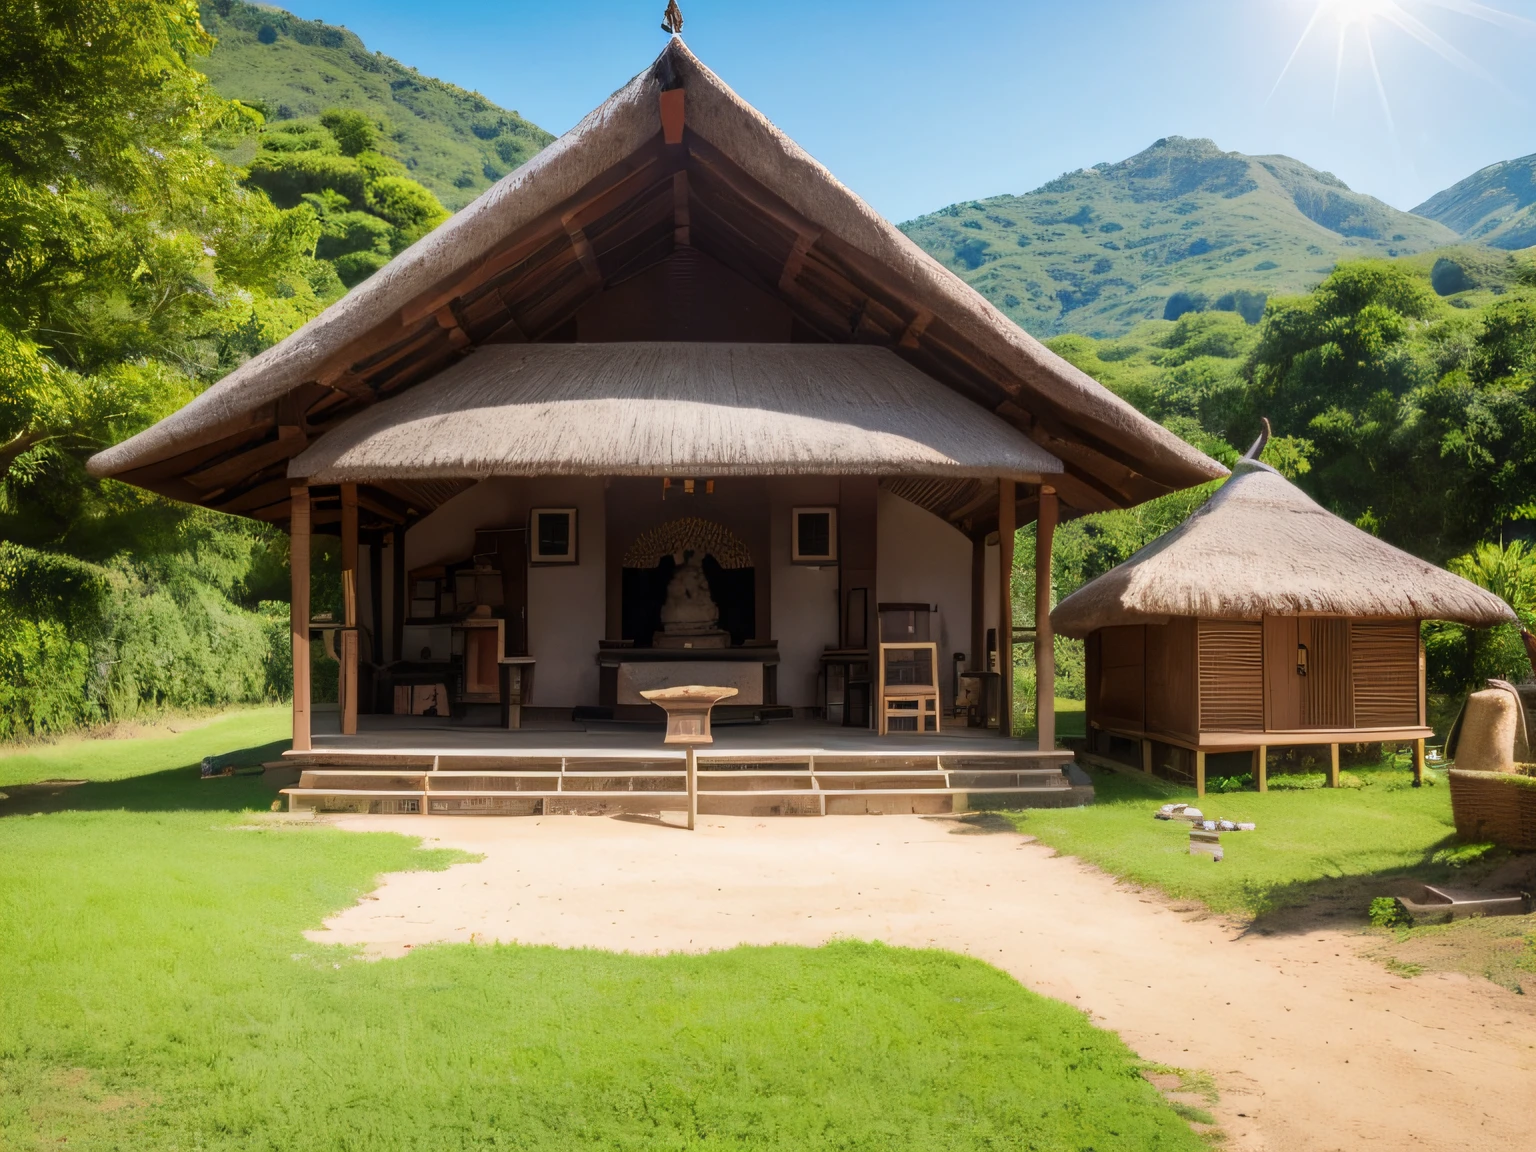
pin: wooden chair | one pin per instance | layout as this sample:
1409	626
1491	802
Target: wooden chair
907	686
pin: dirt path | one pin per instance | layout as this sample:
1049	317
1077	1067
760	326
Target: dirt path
1312	1046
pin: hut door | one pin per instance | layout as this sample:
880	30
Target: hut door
1282	683
1325	689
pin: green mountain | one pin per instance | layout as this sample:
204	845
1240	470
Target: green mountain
457	143
1180	227
1495	206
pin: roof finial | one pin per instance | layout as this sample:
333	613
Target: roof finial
1258	445
672	19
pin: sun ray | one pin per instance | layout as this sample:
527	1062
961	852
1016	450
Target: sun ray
1338	66
1381	89
1368	15
1317	14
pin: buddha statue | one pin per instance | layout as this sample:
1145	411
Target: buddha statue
690	617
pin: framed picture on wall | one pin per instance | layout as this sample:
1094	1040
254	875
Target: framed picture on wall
552	535
813	536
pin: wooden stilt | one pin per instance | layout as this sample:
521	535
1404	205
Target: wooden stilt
1146	757
1418	763
397	593
1045	638
1333	765
348	653
1006	510
693	786
298	613
1261	768
1199	773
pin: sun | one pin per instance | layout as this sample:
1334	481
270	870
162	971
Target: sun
1361	20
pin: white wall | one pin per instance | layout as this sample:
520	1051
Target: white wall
804	603
923	559
566	603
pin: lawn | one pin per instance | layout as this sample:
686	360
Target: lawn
1308	843
159	993
261	733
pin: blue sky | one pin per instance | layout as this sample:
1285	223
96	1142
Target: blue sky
917	105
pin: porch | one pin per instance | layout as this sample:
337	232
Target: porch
396	765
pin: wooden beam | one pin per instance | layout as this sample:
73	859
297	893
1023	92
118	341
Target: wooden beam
1199	773
1418	763
914	333
1045	637
1333	765
289	443
1005	539
680	229
348	674
796	260
1261	764
298	613
1146	757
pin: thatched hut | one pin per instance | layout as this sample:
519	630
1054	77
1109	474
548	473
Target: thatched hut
670	320
1262	621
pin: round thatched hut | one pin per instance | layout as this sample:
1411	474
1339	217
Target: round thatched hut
1262	621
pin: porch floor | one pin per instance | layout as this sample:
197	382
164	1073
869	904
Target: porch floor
428	736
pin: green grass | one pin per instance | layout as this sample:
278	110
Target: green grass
1307	844
159	994
257	733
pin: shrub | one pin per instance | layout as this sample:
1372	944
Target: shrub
353	131
287	176
1387	912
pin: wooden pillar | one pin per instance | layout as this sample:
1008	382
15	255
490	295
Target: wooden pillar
1418	745
348	653
1418	763
298	612
1333	765
376	598
1007	509
1199	773
1045	639
1146	757
398	592
978	661
1261	775
693	786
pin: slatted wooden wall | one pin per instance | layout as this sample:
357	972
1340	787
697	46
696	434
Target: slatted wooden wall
1172	678
1325	690
1384	669
1231	676
1122	676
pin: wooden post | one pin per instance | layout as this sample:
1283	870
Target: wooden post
1418	763
693	786
1199	773
1007	509
1045	639
1262	775
298	612
1146	757
348	654
1333	765
397	592
978	661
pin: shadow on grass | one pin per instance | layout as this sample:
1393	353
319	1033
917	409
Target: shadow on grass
181	789
1345	901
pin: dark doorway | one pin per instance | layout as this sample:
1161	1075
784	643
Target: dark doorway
645	590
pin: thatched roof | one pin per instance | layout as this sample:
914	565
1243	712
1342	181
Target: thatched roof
1262	547
674	410
607	200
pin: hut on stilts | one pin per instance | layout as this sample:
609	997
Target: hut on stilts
1263	621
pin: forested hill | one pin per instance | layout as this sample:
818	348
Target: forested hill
1496	205
455	142
1181	226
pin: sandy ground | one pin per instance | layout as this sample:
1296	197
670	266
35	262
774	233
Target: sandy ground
1311	1045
